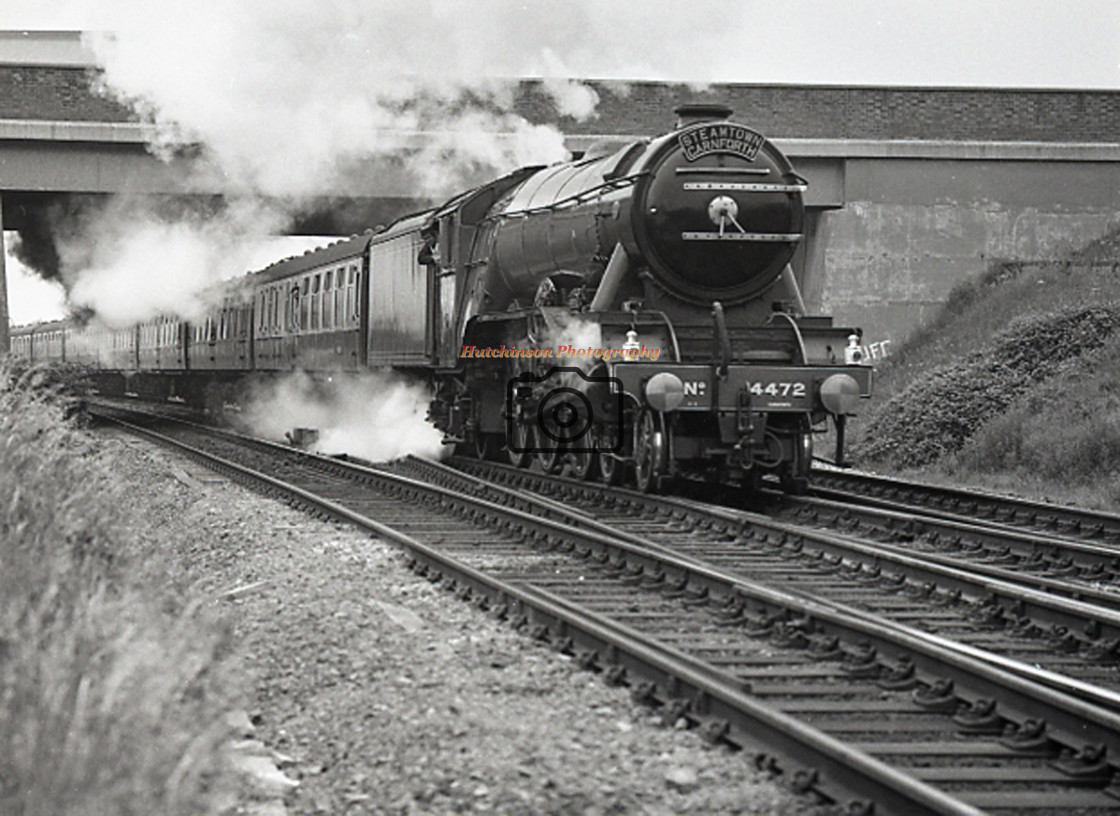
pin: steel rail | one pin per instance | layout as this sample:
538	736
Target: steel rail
947	502
934	573
999	543
1069	720
660	674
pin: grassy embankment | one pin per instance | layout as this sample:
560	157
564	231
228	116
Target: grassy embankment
112	685
1014	387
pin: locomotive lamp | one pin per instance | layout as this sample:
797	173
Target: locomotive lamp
631	347
853	354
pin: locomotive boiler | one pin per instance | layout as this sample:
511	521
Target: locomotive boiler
680	244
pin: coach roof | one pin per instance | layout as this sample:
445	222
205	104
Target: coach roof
345	249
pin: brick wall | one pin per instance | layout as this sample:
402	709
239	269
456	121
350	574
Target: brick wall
43	92
990	114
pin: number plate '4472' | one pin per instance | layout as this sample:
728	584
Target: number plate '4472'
778	389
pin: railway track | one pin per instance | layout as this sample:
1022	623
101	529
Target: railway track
1086	570
1048	635
844	704
954	504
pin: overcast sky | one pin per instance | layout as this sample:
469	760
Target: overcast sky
1037	43
1008	43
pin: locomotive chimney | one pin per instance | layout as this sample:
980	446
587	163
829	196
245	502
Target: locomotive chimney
695	112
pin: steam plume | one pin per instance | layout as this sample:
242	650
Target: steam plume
376	417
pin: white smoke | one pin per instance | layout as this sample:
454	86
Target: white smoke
286	95
128	263
288	99
375	416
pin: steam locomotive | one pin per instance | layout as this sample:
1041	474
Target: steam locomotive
660	267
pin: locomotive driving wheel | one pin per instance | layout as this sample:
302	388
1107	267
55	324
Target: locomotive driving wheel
550	453
649	451
794	476
486	445
612	468
585	458
520	444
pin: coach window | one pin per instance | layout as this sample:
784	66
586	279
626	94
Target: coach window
349	307
316	302
339	303
336	295
357	296
339	297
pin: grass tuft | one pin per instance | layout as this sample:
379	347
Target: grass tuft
112	687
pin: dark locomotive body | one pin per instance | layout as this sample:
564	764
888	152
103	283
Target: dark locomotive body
679	245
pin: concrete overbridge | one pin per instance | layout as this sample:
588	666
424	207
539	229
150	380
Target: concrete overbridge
911	190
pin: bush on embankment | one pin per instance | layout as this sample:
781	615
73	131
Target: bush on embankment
112	688
941	411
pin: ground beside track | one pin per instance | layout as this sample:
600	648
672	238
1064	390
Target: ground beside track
389	696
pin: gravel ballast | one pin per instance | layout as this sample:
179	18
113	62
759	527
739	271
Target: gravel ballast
379	693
